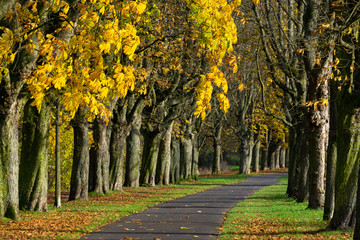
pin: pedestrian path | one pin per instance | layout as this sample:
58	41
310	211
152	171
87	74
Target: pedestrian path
197	216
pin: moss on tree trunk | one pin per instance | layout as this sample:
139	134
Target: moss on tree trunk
348	154
81	158
34	158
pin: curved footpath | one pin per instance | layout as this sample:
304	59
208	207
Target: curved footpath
196	216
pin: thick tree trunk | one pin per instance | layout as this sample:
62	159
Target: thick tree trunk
117	157
348	150
282	158
81	158
133	155
33	174
102	157
117	148
57	157
357	226
150	157
272	159
264	157
256	156
163	164
318	74
277	157
245	155
9	158
195	156
292	163
217	149
175	163
331	157
302	166
185	157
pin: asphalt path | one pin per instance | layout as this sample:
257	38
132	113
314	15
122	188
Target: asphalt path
198	216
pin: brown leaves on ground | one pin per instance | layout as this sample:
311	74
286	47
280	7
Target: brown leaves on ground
76	216
257	228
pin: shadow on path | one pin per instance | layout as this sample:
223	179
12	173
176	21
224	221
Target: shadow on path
196	216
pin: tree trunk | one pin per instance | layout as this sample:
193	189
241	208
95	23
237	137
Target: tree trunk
133	155
292	162
163	164
264	157
117	147
245	155
175	163
277	157
256	156
57	157
81	158
217	149
102	157
357	226
186	151
331	157
195	156
117	157
283	158
150	157
302	166
348	146
10	111
33	174
318	73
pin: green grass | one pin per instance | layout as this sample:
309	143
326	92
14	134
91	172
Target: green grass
270	214
76	218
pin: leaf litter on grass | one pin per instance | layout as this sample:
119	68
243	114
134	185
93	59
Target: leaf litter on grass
76	218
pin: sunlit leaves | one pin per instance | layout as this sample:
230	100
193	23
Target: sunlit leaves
88	70
217	34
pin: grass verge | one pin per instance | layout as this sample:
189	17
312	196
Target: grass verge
77	218
270	214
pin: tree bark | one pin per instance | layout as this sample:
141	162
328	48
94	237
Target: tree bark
292	163
331	157
186	151
357	225
256	156
163	164
245	155
348	146
57	157
81	158
217	149
150	157
264	157
133	155
118	137
33	174
102	157
175	163
318	73
10	112
195	156
302	165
